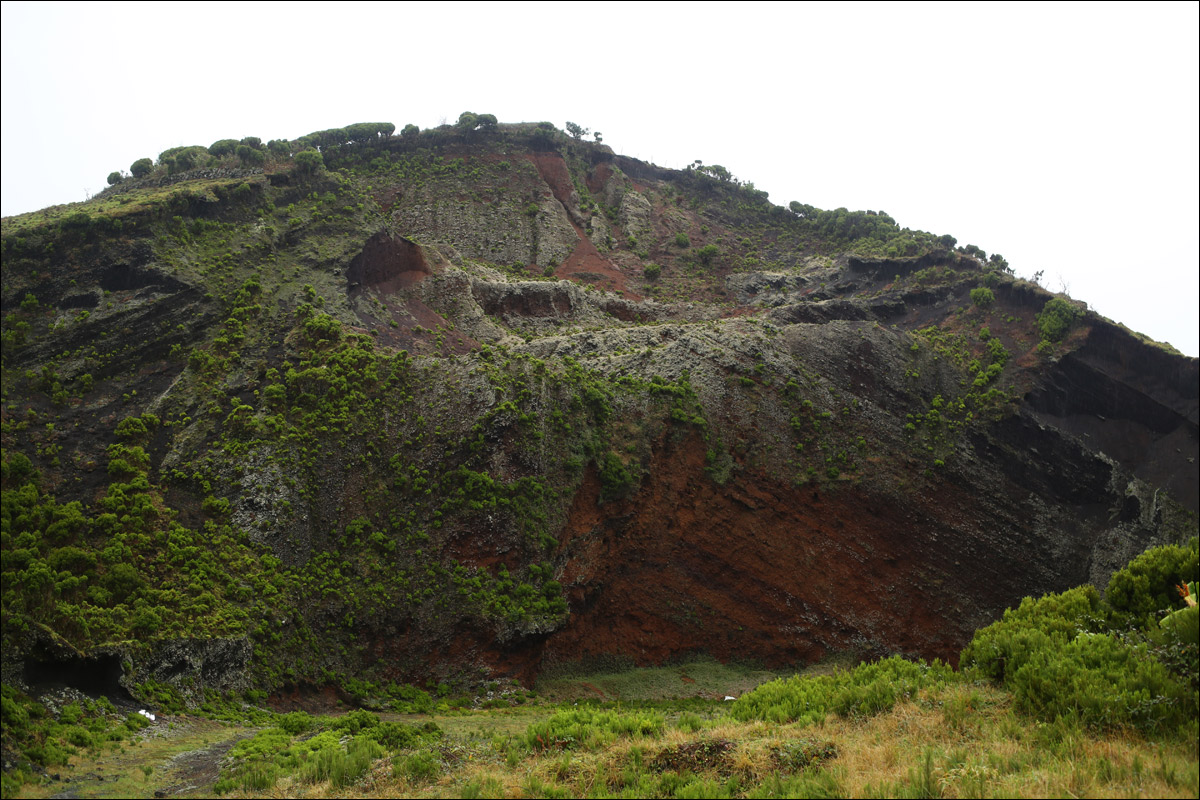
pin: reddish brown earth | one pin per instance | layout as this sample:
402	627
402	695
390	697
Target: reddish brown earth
585	262
598	177
758	570
387	264
319	700
386	267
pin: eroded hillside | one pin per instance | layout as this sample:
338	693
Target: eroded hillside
469	403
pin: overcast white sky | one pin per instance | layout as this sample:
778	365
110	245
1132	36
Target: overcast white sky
1062	136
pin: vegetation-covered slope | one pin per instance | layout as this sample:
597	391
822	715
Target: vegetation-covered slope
470	402
1068	694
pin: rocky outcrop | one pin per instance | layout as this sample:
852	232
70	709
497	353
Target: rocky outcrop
634	216
387	264
1131	401
39	661
193	666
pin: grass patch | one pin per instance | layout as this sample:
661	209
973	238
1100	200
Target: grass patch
699	678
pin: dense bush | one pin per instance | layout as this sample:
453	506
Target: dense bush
866	690
141	167
1147	585
309	162
330	137
114	178
1056	319
1000	649
983	297
652	271
707	253
1102	664
615	478
181	159
1100	682
1176	645
222	147
250	156
368	131
322	328
590	729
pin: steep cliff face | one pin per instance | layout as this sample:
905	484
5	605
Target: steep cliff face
472	405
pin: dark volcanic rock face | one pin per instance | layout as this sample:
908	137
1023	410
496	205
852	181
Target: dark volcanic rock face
1132	402
471	407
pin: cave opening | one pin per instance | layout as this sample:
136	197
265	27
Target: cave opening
100	675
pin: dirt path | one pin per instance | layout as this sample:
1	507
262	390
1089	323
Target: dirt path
195	771
176	757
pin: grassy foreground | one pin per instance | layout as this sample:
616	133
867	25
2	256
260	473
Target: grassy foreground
951	738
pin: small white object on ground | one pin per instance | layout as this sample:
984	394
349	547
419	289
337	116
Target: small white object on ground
727	697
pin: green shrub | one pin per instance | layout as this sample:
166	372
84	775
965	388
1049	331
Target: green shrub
342	768
181	159
114	178
706	254
1056	319
615	478
141	167
1103	683
250	156
652	271
79	221
682	240
394	735
1176	645
591	729
296	722
1057	657
997	651
983	297
259	778
1147	585
322	327
222	147
866	690
309	162
355	721
131	428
